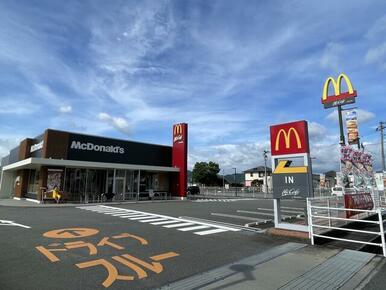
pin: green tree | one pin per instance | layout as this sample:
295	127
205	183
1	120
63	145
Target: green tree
206	173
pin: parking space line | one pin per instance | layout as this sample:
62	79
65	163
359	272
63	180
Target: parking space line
209	232
178	225
261	213
142	218
271	210
139	217
236	216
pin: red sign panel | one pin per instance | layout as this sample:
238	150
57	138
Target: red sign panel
180	159
357	201
289	138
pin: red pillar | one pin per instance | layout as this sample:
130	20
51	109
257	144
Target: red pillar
180	159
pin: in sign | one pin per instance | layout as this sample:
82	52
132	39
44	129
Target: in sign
289	179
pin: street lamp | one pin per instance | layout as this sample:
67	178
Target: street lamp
235	181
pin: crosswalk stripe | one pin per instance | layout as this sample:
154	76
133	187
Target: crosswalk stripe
153	220
165	223
209	232
181	223
178	225
141	218
121	214
193	228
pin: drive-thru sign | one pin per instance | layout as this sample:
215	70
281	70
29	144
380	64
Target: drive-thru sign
289	143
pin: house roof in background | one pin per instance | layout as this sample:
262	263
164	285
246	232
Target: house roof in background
258	169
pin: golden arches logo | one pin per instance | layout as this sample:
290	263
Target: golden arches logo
287	138
337	86
177	129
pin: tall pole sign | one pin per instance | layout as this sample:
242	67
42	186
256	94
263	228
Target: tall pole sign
180	159
338	98
289	142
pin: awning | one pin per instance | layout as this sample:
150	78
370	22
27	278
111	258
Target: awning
32	163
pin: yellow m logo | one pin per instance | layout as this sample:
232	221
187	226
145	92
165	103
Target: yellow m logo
287	138
337	86
177	129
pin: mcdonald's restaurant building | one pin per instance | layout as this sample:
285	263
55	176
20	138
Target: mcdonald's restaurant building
87	167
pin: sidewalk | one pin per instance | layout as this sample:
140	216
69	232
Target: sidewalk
292	266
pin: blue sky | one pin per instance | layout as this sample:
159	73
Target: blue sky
130	69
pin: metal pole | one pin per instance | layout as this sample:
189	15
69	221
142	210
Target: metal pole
381	127
382	231
342	141
223	182
235	182
265	173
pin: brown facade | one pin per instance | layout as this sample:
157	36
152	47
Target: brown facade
55	144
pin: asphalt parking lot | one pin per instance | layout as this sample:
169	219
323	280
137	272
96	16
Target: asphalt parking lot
132	245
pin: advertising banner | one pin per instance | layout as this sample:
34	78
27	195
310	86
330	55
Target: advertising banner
54	178
356	168
352	127
357	201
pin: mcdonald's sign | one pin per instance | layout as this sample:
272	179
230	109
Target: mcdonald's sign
289	138
338	98
178	135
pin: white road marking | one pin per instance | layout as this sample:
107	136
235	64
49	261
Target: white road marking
163	220
236	216
178	225
288	211
165	223
193	228
295	208
142	218
153	220
209	232
11	223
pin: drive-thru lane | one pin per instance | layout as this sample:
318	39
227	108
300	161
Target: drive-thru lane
72	248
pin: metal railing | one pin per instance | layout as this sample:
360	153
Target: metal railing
329	213
247	192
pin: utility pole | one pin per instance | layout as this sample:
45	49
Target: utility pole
235	181
223	182
265	172
380	128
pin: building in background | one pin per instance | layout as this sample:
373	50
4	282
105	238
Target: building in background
256	177
84	167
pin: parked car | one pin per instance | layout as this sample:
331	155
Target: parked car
337	191
193	190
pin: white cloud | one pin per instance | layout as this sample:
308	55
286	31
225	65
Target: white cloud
118	123
7	143
316	131
363	116
65	109
16	106
332	55
377	55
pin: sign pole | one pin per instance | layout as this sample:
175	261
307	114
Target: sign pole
342	141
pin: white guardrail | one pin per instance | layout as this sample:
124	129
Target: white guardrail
329	213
